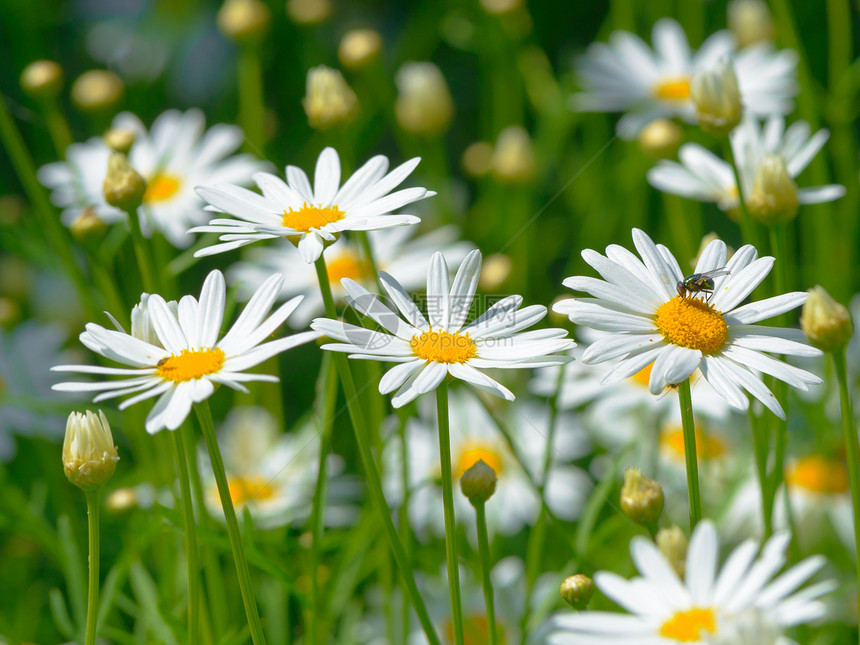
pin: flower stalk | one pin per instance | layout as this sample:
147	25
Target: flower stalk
93	558
190	540
690	455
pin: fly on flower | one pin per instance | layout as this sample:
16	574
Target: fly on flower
700	283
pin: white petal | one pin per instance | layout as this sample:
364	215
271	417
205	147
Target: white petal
438	308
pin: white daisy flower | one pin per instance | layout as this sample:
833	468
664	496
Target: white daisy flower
173	157
475	436
188	360
628	76
314	216
394	252
639	300
427	352
704	176
664	610
273	474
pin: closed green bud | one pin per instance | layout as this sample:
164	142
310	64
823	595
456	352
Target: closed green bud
123	186
641	498
120	140
88	226
97	91
478	483
717	98
577	591
244	21
774	193
826	323
42	79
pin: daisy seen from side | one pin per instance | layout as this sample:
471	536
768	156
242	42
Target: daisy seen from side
177	355
311	217
639	301
429	349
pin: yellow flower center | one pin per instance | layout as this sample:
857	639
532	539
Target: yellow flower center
190	365
707	446
347	266
672	89
474	450
161	187
443	347
818	474
246	489
643	376
693	323
687	626
309	217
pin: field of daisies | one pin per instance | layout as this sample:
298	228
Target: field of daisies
474	322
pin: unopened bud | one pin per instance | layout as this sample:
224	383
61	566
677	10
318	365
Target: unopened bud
123	186
641	498
88	225
826	323
577	591
717	98
514	157
660	138
495	271
478	483
42	79
774	193
673	545
358	47
308	12
89	454
328	101
244	21
477	159
120	139
750	21
122	499
97	91
424	105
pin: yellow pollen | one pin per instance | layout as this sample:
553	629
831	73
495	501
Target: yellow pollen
687	626
707	446
693	323
643	376
347	266
673	89
160	187
818	474
443	347
474	450
190	365
309	217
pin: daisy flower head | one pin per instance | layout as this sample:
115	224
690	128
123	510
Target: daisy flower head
310	217
708	604
429	349
183	360
173	156
395	250
703	176
657	322
626	75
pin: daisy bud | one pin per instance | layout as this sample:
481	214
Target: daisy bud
660	139
478	483
42	79
495	271
328	101
97	91
750	21
717	98
308	12
577	591
122	499
477	159
424	106
774	194
514	157
89	455
120	140
641	498
123	186
88	226
359	47
826	323
244	21
673	545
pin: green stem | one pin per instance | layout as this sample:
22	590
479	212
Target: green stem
852	453
329	379
251	111
362	439
190	539
93	587
484	554
58	239
748	231
403	518
204	416
448	504
57	126
142	253
761	446
690	454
